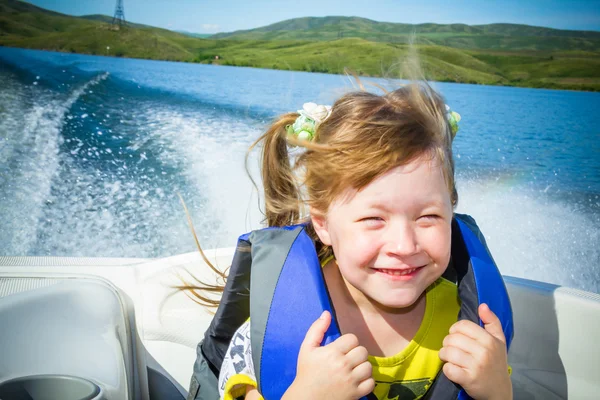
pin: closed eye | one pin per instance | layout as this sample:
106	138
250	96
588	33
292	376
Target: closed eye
372	222
429	219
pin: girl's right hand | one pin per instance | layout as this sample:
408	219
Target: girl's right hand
339	370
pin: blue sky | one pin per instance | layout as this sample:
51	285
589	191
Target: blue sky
208	16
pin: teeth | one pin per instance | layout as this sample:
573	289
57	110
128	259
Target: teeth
397	272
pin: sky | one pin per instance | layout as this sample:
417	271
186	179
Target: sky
209	16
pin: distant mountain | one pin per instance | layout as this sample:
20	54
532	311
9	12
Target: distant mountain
527	30
496	54
196	35
492	36
14	7
28	26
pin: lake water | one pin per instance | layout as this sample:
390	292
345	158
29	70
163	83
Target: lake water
93	151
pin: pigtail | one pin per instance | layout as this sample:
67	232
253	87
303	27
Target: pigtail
283	202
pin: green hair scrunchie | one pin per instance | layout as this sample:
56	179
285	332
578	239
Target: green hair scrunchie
311	116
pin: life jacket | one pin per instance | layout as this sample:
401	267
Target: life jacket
276	280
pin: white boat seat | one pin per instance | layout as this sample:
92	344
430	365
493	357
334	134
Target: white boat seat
74	327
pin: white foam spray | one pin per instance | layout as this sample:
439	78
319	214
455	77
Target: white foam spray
31	125
532	235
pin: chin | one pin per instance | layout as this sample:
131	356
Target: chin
399	301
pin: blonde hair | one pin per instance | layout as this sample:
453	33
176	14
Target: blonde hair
365	136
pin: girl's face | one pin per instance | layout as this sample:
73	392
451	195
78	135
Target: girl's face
391	239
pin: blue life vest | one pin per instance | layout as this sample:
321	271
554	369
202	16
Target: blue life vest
286	292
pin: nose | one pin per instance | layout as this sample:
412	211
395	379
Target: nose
402	239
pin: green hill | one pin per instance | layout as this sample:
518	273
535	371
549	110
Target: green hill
196	35
497	54
108	20
483	37
561	70
27	26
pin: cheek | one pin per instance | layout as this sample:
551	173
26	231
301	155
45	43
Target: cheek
357	249
437	244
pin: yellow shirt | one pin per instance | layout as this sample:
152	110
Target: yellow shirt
406	375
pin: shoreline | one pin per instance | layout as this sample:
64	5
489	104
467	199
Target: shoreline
233	63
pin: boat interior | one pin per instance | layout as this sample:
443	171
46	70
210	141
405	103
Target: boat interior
117	328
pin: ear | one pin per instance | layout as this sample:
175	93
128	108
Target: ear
319	222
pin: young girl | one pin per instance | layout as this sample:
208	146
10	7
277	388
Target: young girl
377	176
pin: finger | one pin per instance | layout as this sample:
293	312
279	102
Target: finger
491	322
345	343
365	387
464	343
362	372
456	356
470	329
456	374
251	393
357	356
316	332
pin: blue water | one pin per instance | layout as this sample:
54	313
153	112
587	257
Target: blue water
93	151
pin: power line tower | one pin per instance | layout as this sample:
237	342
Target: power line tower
119	17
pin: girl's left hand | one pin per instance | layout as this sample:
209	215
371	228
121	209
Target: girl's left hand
476	359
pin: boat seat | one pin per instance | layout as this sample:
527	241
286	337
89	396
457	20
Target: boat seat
66	327
555	350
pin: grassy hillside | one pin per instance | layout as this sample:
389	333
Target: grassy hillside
196	35
27	26
108	20
560	70
462	56
481	37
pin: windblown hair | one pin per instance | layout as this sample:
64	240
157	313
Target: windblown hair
365	136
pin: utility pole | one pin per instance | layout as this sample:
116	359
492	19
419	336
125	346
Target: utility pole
119	17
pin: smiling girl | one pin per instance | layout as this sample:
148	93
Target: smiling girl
375	187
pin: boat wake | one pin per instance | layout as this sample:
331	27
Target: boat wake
532	235
32	122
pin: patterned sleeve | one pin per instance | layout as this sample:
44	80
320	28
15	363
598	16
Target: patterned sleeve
237	369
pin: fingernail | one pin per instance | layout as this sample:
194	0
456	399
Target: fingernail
322	315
